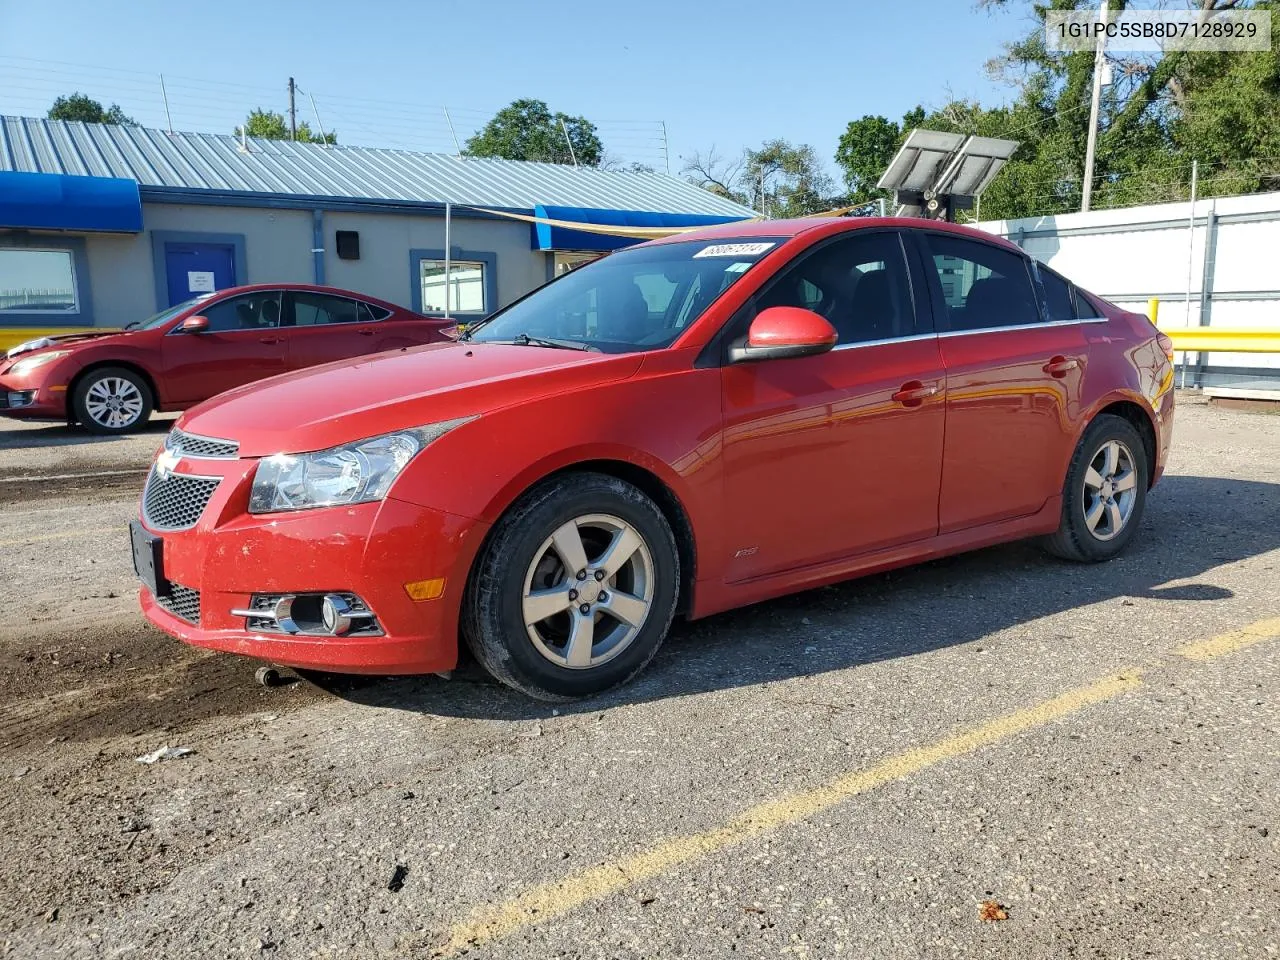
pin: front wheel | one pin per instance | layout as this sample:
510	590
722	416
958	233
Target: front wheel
575	590
1104	494
112	400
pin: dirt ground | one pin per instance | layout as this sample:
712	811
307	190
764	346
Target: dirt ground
422	817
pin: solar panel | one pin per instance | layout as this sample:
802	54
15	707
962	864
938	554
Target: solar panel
935	173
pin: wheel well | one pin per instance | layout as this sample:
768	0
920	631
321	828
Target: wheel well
1142	423
122	364
657	491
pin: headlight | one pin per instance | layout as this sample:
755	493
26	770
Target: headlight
39	343
353	473
27	364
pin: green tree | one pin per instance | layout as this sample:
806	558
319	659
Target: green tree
80	106
528	130
786	180
865	149
268	125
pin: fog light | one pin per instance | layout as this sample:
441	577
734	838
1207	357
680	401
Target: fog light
21	398
336	613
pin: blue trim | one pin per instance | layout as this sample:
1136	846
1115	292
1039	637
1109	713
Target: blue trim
161	237
487	257
317	244
286	201
55	201
84	289
548	237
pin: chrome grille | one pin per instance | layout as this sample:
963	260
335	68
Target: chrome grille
182	602
174	501
202	448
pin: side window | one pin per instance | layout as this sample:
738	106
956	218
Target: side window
314	309
1057	295
983	286
371	314
253	311
1084	309
859	283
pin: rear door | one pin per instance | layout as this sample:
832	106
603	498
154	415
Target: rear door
322	327
1013	382
243	344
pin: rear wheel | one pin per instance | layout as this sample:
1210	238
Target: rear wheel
575	590
1104	494
112	400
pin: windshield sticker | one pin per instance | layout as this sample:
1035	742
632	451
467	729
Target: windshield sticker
734	250
739	267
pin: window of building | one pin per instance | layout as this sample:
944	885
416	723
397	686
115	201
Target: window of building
37	281
983	286
858	283
253	311
466	286
1057	295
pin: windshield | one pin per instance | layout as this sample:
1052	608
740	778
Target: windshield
164	316
637	299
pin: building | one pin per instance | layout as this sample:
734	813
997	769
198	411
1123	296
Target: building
104	225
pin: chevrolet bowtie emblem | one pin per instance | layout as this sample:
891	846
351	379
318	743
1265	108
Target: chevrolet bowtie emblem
165	463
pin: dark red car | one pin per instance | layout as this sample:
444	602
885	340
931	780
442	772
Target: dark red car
112	381
683	427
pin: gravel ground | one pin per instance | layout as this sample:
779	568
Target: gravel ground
820	776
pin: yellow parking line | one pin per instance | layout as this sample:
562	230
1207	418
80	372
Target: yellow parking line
541	903
1230	642
65	535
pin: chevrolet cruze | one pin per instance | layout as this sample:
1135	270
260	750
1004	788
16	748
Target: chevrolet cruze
683	427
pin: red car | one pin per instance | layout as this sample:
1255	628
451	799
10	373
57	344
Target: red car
112	381
683	427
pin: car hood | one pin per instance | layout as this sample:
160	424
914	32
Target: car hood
62	342
337	403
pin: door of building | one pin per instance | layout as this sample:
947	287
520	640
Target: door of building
196	268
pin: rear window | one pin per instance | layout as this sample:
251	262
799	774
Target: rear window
1057	295
1084	309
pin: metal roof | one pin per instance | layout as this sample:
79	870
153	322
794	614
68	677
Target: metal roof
217	163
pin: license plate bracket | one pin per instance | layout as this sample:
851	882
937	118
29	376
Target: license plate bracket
148	562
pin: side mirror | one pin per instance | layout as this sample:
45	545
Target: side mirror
196	324
779	332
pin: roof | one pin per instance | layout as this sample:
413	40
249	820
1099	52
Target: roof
214	163
795	227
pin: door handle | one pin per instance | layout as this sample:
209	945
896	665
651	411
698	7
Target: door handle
1061	366
366	332
268	339
913	393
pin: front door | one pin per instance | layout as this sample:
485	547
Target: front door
243	344
1013	384
837	454
195	268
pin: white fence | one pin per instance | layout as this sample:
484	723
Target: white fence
1218	268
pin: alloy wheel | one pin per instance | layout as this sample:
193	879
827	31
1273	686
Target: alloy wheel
113	402
1110	490
588	591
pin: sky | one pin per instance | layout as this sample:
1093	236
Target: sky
382	72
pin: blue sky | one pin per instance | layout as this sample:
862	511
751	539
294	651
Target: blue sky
728	74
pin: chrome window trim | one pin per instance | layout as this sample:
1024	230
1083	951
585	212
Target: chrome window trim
882	342
1023	326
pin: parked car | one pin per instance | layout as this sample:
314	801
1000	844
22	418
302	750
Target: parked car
111	381
687	426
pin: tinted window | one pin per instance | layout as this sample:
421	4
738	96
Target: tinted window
1057	296
371	314
315	309
253	311
982	285
1084	309
636	299
858	283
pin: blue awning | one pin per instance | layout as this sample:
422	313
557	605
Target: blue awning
549	237
54	201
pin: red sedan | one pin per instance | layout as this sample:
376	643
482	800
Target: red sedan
684	427
112	381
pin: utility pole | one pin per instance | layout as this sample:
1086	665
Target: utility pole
293	111
1099	60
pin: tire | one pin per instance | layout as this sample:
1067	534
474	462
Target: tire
112	400
531	551
1089	531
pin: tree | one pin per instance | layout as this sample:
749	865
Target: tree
786	180
865	149
80	106
715	174
527	130
267	125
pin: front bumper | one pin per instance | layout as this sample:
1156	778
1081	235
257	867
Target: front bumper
43	400
371	550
